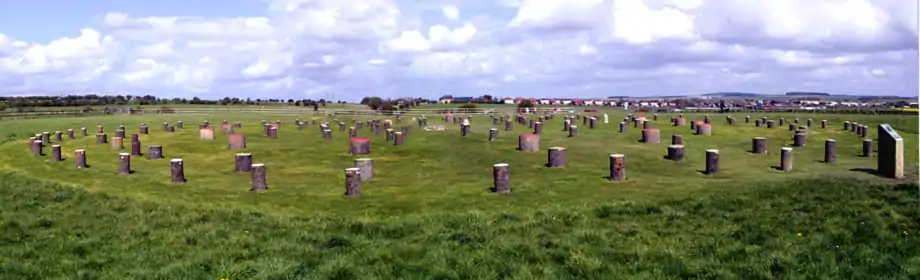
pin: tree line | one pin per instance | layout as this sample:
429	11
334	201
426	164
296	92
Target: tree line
377	103
22	102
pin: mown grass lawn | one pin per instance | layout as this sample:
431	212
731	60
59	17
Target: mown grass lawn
428	213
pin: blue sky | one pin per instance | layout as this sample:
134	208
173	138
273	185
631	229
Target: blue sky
396	48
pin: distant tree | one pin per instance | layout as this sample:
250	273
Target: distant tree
372	102
387	108
526	103
680	103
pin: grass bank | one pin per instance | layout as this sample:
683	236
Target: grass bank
830	229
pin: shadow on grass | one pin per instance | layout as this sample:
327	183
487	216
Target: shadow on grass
867	171
492	191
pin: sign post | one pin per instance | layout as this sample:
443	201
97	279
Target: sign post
890	152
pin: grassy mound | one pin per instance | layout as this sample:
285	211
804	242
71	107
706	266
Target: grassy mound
833	228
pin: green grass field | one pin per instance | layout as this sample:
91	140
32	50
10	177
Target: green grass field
428	213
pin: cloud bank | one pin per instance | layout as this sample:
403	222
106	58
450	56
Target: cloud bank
572	48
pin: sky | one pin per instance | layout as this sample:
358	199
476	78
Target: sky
348	49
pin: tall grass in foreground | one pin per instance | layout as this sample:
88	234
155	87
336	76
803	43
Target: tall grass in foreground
832	228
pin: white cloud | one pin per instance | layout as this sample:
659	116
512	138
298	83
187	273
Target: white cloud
308	48
450	12
439	38
636	23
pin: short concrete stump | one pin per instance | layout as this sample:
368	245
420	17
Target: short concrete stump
102	138
118	143
529	142
704	129
56	153
680	121
257	172
399	138
79	156
236	142
136	149
867	148
501	178
243	162
206	133
830	151
352	182
177	170
124	163
712	162
360	146
389	133
37	147
617	167
556	157
759	145
154	152
651	135
785	159
366	166
676	152
799	139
